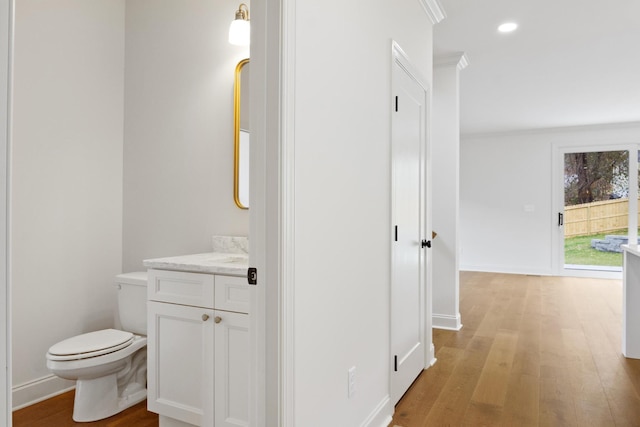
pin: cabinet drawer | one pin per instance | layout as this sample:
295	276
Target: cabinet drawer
179	287
232	294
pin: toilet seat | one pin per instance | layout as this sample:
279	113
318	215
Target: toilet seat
91	344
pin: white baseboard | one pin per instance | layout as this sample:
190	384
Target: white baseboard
38	390
571	272
507	269
381	415
165	421
448	322
431	357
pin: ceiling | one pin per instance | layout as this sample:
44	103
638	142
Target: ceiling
569	63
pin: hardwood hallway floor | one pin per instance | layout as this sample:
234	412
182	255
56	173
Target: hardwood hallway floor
57	411
534	351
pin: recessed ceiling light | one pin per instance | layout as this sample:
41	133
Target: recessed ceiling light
507	27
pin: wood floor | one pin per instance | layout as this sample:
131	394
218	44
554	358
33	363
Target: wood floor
57	411
534	351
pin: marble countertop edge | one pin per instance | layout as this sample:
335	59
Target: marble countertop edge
232	264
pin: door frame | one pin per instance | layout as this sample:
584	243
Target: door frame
557	205
6	61
271	215
400	61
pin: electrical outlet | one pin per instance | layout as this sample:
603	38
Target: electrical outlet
351	382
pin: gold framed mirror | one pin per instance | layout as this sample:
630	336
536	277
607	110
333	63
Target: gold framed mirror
241	127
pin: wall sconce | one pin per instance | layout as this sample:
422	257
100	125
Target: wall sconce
240	29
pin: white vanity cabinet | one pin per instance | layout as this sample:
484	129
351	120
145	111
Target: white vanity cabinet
198	343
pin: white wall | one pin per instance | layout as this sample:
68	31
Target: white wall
342	200
66	177
446	190
502	173
178	138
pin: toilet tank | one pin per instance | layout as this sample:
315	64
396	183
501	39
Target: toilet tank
132	301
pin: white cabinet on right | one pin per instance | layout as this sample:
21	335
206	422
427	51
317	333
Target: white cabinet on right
198	347
231	369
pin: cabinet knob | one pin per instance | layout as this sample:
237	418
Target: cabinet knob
205	317
217	319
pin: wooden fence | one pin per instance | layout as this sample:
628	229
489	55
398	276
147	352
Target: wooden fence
596	217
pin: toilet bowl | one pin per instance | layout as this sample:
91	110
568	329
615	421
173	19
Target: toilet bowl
110	365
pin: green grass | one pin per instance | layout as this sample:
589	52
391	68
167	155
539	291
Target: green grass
578	251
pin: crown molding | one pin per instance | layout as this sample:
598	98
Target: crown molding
554	130
434	10
457	59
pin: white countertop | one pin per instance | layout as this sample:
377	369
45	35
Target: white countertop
231	264
633	249
631	301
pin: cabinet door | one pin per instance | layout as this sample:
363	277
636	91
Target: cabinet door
180	362
231	369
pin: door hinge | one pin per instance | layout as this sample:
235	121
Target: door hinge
396	234
560	219
396	104
395	363
252	276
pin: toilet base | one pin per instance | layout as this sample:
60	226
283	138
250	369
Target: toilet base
98	398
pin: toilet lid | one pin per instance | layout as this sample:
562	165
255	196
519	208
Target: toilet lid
91	344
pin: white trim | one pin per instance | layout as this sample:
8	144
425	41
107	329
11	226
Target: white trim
557	203
287	224
632	226
523	272
554	130
432	356
381	416
6	71
272	208
506	269
40	389
592	274
457	59
403	60
558	151
446	321
612	269
434	10
265	374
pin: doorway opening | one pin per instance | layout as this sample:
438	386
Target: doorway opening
600	208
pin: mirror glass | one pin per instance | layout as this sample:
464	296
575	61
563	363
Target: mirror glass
241	135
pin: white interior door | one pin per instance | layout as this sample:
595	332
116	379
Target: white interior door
407	284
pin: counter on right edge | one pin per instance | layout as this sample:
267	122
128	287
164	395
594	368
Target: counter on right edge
631	301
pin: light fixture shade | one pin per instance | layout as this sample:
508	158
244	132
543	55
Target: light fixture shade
240	32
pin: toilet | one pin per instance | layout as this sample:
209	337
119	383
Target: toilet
109	366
